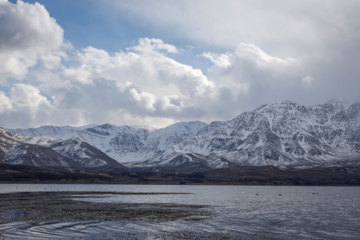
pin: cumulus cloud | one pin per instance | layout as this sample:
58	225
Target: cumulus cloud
321	35
312	57
149	78
53	60
5	104
172	102
219	60
253	53
80	74
28	97
248	77
149	45
24	106
150	88
143	99
27	33
153	85
100	87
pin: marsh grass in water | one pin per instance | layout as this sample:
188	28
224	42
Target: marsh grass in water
62	207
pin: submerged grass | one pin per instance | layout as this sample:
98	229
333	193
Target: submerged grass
62	207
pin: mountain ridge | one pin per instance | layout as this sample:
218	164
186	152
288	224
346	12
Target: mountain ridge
283	134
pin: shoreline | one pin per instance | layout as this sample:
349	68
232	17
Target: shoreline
178	184
243	176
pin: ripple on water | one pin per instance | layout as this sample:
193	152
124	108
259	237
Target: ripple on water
12	214
239	212
118	230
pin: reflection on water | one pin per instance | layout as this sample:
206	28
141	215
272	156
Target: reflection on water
249	212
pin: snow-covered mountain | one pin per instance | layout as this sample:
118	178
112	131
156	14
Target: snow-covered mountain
116	142
38	156
48	152
14	150
85	155
8	140
124	143
282	134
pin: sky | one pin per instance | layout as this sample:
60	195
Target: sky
155	63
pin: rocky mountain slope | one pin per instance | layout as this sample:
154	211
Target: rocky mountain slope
72	154
85	155
124	143
38	156
283	134
8	140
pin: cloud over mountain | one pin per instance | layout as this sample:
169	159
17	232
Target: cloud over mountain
27	34
304	52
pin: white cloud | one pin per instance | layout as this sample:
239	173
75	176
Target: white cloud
143	99
27	97
253	53
94	57
52	60
27	33
149	45
172	102
277	25
24	106
151	73
247	52
248	63
153	85
264	53
5	104
100	87
219	60
105	87
80	74
323	36
249	77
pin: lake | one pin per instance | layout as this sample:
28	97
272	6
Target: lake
237	212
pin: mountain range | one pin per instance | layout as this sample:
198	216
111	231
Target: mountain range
285	135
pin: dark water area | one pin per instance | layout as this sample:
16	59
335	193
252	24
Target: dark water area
233	212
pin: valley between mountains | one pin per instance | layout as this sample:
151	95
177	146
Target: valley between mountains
284	135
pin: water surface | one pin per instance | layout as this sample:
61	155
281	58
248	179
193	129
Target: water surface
244	212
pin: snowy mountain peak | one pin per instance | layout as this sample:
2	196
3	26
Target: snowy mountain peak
281	134
284	134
